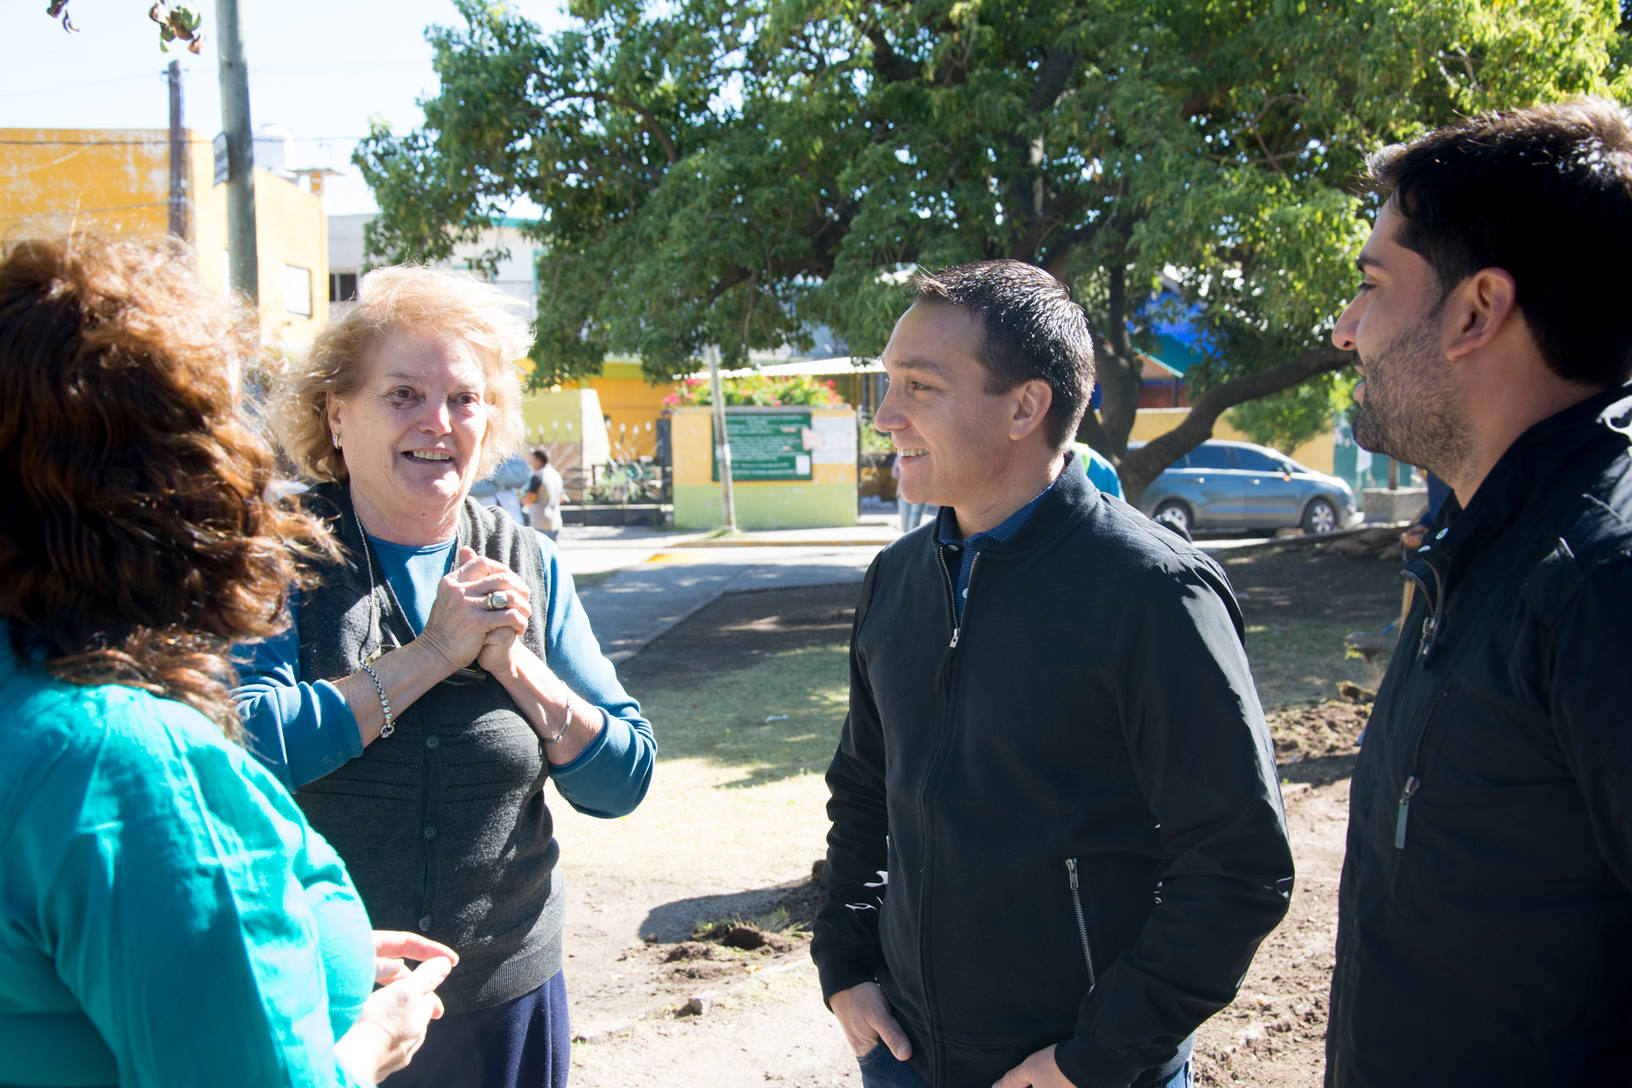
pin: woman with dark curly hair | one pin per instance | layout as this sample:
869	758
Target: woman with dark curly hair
441	671
167	915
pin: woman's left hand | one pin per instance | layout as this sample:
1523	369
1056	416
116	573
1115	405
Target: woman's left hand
462	619
393	946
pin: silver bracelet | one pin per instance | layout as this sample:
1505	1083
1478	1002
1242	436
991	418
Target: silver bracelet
385	704
565	722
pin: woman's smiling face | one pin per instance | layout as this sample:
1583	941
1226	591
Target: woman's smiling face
412	434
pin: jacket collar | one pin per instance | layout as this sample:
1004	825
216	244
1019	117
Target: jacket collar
1532	466
1065	500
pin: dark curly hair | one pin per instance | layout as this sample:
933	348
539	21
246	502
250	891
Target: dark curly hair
137	542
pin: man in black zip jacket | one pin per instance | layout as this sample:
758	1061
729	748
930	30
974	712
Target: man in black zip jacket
1485	913
1057	833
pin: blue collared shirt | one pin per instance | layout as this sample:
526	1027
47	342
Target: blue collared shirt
946	533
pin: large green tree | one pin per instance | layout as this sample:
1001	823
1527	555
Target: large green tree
736	172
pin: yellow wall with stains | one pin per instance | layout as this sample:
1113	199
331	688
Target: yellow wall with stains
116	182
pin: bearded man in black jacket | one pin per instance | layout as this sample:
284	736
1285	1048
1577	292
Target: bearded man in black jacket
1057	832
1485	911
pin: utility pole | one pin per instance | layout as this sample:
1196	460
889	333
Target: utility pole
243	261
722	448
178	156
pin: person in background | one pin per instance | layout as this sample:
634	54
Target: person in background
501	489
541	502
1485	908
1439	499
1056	835
1101	473
1438	492
441	670
167	916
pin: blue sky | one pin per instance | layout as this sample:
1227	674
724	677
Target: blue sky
319	69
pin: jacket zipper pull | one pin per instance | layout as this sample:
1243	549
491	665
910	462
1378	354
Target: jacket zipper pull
943	671
1429	625
1406	794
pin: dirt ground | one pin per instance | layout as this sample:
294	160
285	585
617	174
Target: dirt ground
655	1002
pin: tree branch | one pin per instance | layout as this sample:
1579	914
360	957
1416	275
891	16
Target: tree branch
1143	465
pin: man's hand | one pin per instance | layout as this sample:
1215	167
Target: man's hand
1037	1071
865	1017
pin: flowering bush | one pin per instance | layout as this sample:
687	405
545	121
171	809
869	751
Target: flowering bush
757	390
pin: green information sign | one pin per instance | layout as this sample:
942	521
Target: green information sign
766	445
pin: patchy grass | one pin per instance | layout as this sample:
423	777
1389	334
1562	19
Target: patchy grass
1295	660
775	719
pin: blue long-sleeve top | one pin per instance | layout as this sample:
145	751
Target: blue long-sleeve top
302	727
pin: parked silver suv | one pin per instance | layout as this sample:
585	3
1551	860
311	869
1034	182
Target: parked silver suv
1222	485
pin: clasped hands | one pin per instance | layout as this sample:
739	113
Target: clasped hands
463	627
865	1017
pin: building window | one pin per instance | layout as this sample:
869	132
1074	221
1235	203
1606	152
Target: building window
297	290
342	287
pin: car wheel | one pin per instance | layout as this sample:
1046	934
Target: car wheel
1320	516
1174	515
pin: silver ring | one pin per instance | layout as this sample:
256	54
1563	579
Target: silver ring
498	601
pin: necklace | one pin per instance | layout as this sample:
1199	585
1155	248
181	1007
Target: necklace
470	674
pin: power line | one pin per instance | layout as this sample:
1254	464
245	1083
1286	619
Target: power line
82	86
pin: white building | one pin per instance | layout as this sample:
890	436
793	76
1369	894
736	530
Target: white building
516	269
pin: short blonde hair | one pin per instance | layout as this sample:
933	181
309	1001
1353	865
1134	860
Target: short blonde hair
407	298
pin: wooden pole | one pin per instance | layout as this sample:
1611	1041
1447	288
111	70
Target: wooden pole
243	260
178	157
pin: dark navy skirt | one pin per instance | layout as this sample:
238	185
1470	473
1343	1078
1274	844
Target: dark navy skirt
525	1043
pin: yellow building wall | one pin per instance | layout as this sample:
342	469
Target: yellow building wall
631	405
117	182
827	498
1154	422
291	232
111	181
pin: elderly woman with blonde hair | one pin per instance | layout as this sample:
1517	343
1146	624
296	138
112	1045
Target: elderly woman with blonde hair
442	670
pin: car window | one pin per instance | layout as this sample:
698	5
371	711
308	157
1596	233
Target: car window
1253	461
1214	457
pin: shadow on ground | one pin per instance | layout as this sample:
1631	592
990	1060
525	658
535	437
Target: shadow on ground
794	904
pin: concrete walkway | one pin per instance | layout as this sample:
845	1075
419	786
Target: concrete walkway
641	581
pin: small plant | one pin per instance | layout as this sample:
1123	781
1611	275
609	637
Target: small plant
757	390
626	482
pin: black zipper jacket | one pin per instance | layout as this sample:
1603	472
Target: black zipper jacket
1074	798
1485	912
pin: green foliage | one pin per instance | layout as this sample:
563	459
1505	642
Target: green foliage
177	22
735	172
757	389
1289	419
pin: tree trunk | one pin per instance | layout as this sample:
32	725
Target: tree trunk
1139	467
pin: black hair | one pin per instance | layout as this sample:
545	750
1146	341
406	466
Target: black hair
1032	331
1544	193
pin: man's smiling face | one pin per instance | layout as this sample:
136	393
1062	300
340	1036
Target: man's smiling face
952	434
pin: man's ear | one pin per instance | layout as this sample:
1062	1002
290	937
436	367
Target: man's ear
1032	400
1478	309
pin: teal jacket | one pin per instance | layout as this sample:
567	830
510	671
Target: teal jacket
167	917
